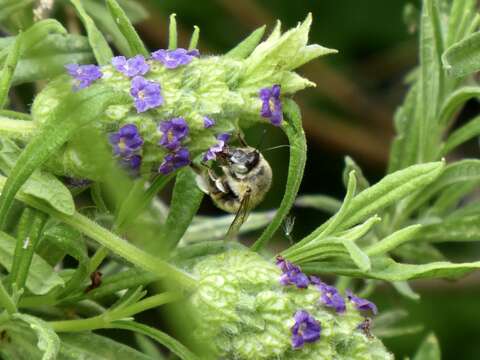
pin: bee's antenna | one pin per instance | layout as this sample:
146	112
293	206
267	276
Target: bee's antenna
276	147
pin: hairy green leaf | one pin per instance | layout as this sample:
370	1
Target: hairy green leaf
42	278
298	155
466	132
393	240
387	269
185	202
404	289
8	69
126	28
351	165
162	338
48	341
455	101
429	350
463	57
464	228
319	202
245	48
99	45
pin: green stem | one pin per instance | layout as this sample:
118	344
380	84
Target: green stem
104	320
6	301
97	259
17	129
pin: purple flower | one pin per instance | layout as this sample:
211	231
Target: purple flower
126	140
362	304
84	75
131	67
133	162
208	122
305	330
173	131
330	296
174	161
292	274
271	106
211	154
172	59
147	94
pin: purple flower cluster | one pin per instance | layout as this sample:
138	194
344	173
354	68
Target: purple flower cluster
362	304
84	75
131	67
173	132
211	154
330	296
271	104
126	143
172	59
292	274
305	330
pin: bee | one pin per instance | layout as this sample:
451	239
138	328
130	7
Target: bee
246	178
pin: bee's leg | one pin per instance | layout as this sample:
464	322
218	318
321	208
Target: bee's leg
202	184
218	183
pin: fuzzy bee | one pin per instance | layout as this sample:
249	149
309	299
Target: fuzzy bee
246	178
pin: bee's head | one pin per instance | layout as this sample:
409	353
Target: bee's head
241	160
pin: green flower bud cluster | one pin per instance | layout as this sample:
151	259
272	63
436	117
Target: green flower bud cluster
243	312
224	88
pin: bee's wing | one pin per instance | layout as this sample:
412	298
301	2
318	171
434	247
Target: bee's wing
240	217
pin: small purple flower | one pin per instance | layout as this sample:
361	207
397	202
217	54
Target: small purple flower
126	140
147	94
208	122
131	67
305	330
84	75
174	161
362	304
292	275
172	59
272	105
211	154
330	296
173	131
133	162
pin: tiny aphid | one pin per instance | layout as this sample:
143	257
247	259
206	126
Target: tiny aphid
96	281
26	243
288	225
366	327
246	178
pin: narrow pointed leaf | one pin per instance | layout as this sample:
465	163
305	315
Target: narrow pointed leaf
298	155
245	48
6	75
463	57
429	350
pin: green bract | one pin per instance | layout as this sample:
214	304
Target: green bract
244	313
225	88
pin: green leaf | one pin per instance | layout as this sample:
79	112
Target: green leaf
319	202
404	289
162	338
99	45
8	69
42	277
48	341
463	57
127	29
338	218
185	202
466	132
148	347
387	269
454	174
89	346
430	82
394	240
358	256
194	39
455	101
464	228
245	48
135	11
172	32
351	165
74	111
41	184
298	155
461	16
429	349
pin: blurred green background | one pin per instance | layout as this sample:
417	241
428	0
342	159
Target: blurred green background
348	113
